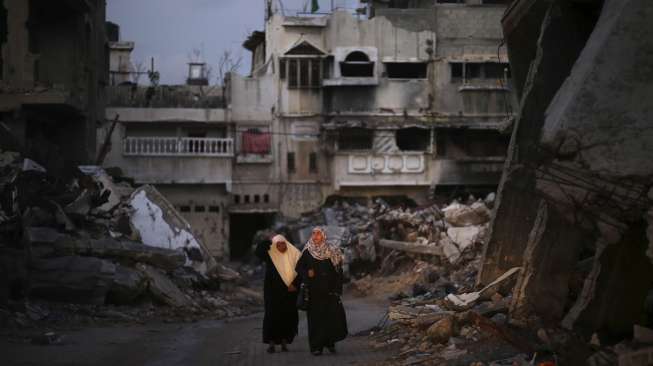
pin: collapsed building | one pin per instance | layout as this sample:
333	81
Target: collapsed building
405	100
52	76
574	205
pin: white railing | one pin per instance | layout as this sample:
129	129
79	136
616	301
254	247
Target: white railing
173	146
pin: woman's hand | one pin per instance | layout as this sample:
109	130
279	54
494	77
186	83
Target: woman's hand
311	273
292	288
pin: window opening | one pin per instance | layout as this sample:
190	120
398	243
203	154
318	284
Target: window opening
406	70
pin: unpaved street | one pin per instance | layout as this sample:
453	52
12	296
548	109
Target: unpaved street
236	342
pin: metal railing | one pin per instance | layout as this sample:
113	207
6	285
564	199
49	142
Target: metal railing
173	146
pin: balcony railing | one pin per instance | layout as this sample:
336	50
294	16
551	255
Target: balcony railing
173	146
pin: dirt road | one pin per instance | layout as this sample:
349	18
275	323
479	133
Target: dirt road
236	342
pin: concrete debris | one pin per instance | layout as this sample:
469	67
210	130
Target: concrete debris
127	286
443	329
464	300
460	215
365	231
160	225
98	242
31	165
162	288
72	279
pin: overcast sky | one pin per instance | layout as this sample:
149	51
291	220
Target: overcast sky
169	30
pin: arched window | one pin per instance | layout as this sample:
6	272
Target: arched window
357	64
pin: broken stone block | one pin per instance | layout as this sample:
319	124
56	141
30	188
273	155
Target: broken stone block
442	330
162	288
465	237
128	284
460	215
72	279
449	249
160	225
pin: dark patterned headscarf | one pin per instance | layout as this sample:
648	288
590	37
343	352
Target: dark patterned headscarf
324	250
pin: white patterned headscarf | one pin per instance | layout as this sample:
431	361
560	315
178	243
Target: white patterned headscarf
324	250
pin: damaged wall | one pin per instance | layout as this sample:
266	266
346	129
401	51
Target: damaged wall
586	117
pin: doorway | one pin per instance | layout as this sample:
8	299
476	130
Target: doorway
242	228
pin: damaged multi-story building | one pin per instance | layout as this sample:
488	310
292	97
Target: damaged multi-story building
574	205
402	98
53	71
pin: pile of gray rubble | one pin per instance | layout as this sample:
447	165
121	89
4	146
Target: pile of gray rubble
450	232
95	240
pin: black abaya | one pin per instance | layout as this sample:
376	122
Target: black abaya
280	319
327	322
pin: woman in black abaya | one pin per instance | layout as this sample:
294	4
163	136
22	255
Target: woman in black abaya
279	291
320	268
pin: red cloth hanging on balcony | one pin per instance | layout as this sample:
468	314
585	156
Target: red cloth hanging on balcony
255	143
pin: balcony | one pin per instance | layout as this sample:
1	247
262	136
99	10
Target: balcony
179	147
172	160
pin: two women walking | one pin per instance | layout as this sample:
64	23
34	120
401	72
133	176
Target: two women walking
319	269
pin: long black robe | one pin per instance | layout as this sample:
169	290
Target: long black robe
280	319
327	322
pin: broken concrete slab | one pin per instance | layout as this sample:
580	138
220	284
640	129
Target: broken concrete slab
449	249
162	288
128	285
411	247
465	237
72	279
166	259
460	215
114	193
160	225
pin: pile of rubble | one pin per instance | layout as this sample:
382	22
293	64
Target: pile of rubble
94	240
451	233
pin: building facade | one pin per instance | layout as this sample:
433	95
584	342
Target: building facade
53	73
400	99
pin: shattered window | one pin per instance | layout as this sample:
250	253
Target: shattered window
457	144
257	198
355	138
461	71
406	70
266	198
214	209
184	208
472	71
357	64
200	208
496	70
246	198
237	199
413	139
